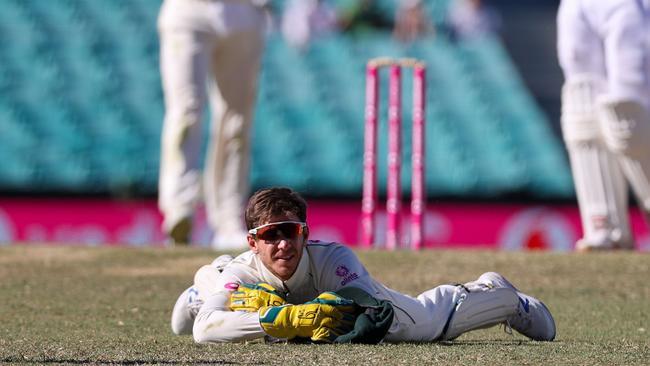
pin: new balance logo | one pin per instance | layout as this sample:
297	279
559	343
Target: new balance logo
525	305
192	295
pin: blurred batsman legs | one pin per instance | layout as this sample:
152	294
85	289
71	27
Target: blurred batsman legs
600	185
604	51
209	50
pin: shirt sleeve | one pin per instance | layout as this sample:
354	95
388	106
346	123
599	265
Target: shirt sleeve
216	323
343	268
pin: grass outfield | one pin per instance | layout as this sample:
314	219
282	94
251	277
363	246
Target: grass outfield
70	305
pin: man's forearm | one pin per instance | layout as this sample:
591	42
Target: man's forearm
215	323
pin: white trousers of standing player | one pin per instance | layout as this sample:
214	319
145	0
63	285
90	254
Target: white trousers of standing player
607	42
607	39
208	49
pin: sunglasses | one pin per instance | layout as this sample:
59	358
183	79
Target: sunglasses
275	231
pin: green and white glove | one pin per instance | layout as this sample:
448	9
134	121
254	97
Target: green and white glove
253	296
321	320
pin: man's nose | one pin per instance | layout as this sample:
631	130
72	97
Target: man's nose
284	243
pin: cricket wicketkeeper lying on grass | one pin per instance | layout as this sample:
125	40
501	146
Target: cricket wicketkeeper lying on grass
288	287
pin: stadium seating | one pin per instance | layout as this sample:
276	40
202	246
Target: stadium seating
81	108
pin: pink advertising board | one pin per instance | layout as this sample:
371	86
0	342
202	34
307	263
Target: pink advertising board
447	225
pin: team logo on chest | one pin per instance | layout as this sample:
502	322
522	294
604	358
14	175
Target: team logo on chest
343	272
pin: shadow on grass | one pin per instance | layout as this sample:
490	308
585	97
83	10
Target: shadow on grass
495	342
118	362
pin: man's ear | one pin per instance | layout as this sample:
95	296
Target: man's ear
305	233
252	243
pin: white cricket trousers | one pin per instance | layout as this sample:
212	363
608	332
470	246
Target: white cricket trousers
209	49
422	319
608	39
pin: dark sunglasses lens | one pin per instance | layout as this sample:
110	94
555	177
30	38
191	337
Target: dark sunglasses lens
269	233
273	232
290	231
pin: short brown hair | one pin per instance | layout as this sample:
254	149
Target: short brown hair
276	201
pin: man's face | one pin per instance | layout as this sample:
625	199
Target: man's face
279	246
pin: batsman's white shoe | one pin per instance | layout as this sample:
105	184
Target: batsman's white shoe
585	246
185	310
533	319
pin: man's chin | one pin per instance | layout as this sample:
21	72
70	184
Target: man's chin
285	270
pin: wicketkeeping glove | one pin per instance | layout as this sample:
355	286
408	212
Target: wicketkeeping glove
253	296
321	320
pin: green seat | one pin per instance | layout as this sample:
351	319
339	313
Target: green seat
17	171
82	79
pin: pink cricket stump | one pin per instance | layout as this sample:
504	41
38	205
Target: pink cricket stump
369	200
418	193
393	188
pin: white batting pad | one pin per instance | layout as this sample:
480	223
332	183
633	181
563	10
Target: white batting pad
480	310
626	130
579	121
602	197
599	181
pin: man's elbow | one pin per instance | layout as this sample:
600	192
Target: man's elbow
199	335
208	333
203	338
226	327
215	331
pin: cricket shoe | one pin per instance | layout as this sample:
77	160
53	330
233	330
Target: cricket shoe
606	239
179	234
185	310
585	246
533	319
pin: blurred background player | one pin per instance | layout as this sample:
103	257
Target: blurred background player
209	50
411	21
471	19
304	20
604	52
364	17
